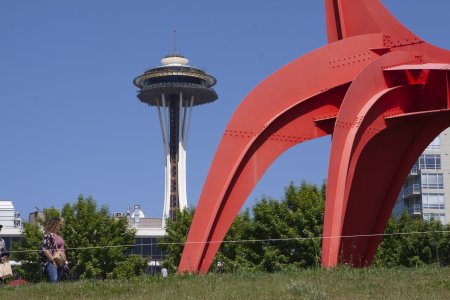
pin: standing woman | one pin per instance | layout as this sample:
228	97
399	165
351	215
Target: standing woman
52	252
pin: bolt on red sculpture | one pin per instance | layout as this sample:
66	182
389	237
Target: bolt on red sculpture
384	95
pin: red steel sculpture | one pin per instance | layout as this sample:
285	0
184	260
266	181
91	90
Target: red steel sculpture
384	95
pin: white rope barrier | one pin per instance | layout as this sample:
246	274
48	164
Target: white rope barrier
247	241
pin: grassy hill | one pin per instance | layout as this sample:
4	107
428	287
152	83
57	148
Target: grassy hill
340	283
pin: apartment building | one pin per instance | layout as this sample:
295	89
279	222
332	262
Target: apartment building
426	191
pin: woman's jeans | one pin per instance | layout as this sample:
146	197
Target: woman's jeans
54	273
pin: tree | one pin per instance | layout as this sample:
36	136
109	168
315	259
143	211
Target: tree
96	243
232	255
419	246
132	266
292	223
176	234
26	252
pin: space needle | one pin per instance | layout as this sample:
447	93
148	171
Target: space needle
174	88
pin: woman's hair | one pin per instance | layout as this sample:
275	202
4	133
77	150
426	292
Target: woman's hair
52	225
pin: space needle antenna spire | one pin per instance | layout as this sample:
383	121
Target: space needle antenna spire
174	40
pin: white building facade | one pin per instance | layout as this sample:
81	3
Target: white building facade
426	191
149	231
12	224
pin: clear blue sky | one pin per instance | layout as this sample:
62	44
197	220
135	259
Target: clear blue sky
70	122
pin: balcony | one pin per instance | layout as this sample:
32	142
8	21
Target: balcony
411	190
415	209
414	171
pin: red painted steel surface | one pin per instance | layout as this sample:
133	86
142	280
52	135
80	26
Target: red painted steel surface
381	91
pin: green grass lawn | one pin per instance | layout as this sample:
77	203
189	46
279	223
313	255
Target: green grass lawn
340	283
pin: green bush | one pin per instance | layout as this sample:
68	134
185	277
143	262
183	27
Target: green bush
133	265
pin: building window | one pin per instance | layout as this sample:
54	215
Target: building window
435	144
433	200
432	181
147	247
430	161
439	217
